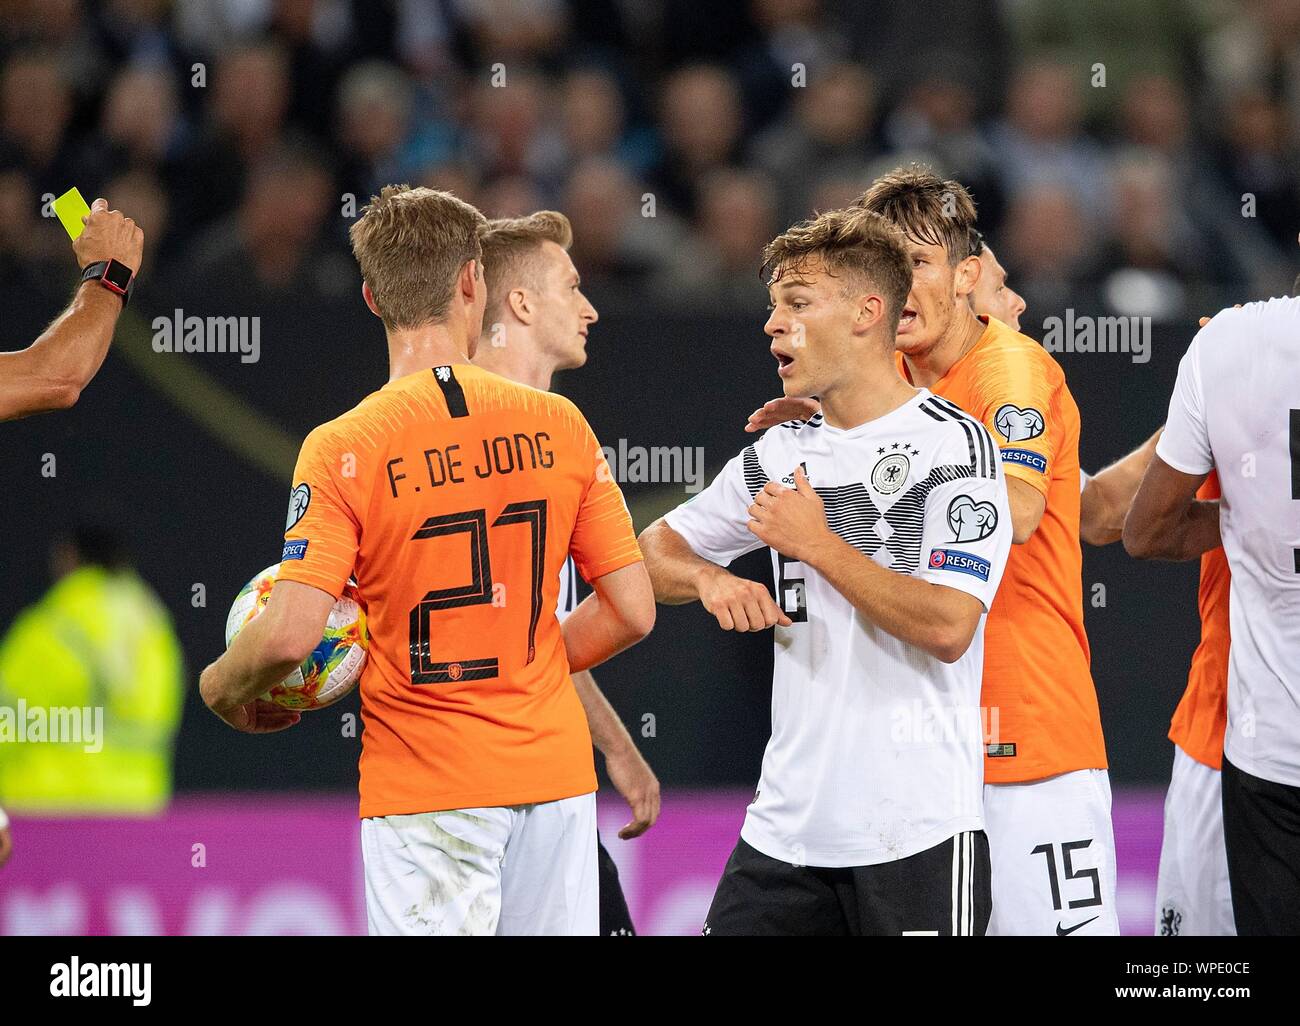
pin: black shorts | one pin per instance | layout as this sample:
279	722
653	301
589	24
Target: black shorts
1261	830
615	920
943	890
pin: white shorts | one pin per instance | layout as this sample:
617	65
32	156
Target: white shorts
519	869
1053	852
1192	893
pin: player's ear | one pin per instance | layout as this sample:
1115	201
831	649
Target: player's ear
369	297
471	281
521	306
871	312
966	275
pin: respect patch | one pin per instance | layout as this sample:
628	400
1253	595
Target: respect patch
295	548
1025	458
960	562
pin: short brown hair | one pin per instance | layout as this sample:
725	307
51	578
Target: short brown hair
853	241
927	209
508	245
411	245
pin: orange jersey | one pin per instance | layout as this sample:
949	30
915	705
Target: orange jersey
1201	718
454	496
1042	706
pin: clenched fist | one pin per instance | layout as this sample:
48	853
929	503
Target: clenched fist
109	235
739	604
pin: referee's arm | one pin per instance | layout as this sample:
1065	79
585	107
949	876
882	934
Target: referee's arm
51	372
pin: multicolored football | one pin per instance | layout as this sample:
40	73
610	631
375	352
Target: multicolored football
334	667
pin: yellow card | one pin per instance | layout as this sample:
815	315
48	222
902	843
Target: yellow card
71	208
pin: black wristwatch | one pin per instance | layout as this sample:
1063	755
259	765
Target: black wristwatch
113	275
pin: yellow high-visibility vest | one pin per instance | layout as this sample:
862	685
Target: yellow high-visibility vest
91	689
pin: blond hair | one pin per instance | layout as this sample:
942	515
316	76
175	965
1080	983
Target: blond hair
851	243
411	245
509	244
926	208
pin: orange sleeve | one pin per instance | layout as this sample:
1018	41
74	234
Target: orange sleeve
1017	397
322	532
603	537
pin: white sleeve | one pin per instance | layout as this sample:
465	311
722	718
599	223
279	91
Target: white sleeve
967	535
1185	442
568	598
715	523
4	820
1084	478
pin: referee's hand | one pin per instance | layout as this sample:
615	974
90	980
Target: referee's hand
109	235
740	604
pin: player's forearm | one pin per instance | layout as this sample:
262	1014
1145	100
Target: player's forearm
1109	493
607	731
675	569
922	614
1186	535
596	631
252	665
50	374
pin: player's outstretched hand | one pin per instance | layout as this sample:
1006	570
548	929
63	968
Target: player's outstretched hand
259	717
778	411
633	778
740	604
109	235
7	842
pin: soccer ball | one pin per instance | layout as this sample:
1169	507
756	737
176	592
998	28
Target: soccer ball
334	666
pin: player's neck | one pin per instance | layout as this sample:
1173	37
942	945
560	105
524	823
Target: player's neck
867	397
430	345
520	360
926	367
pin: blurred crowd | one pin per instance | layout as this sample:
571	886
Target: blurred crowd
1136	155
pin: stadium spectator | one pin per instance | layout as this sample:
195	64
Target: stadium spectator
1259	162
140	128
100	641
510	130
593	120
144	195
1042	140
1257	48
616	246
512	196
794	36
701	121
270	244
514	31
374	123
247	111
938	116
1120	38
1154	246
828	127
458	177
737	217
36	105
30	255
314	36
1047	247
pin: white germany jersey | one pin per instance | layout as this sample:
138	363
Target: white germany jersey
877	748
1236	406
